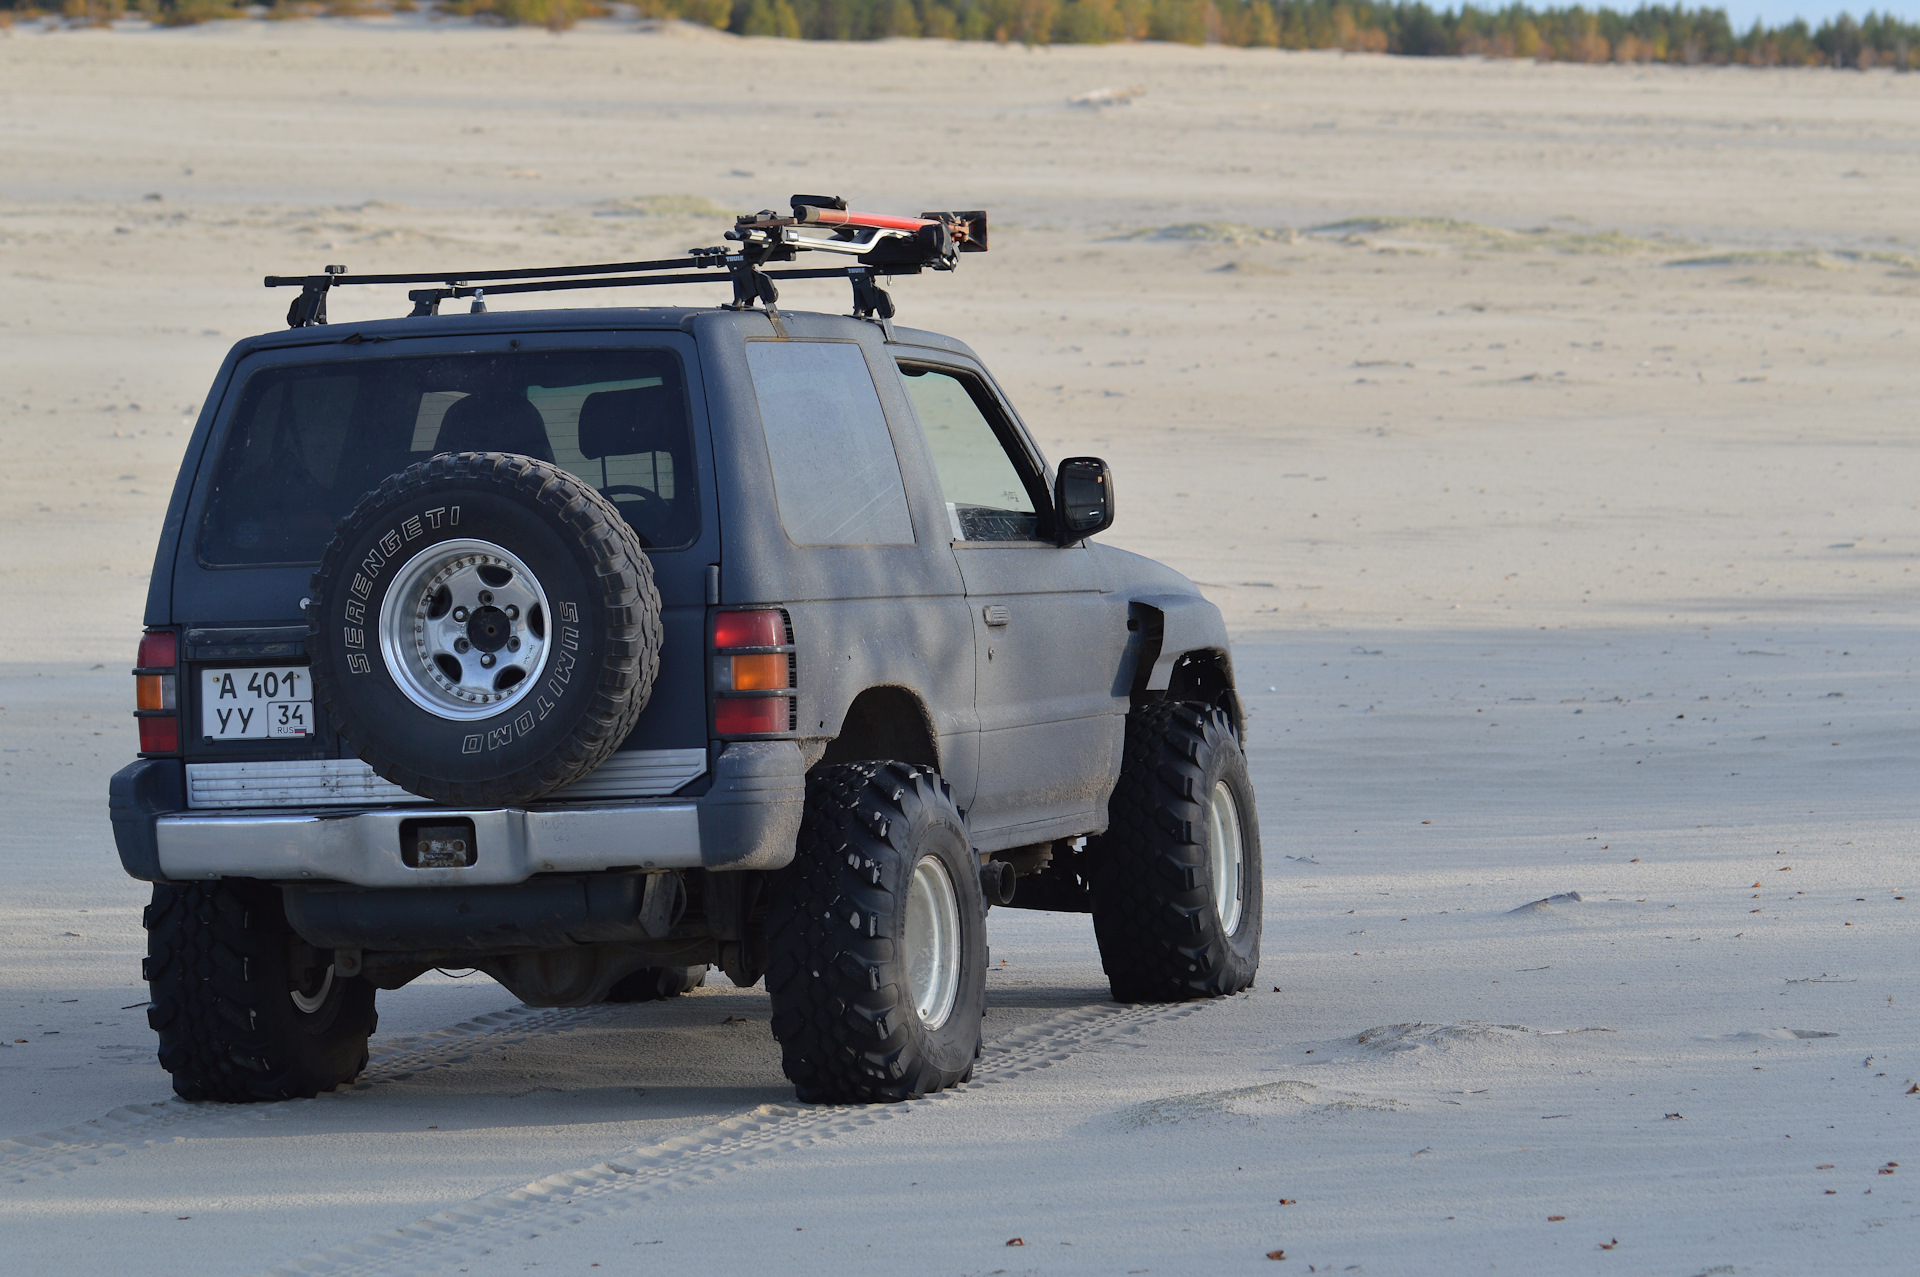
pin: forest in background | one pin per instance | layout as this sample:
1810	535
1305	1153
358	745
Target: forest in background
1651	33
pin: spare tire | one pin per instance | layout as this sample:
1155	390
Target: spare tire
483	629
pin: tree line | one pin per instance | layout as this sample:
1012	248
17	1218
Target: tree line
1651	33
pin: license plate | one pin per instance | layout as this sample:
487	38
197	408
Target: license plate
256	703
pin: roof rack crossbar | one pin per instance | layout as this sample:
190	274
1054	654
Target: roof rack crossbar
862	277
709	258
881	244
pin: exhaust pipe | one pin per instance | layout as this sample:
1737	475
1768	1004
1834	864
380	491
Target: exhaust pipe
997	882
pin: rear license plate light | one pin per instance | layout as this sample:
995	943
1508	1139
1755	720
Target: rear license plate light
437	844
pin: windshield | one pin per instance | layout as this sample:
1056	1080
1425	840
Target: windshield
308	441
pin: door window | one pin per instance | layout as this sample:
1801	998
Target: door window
835	475
989	497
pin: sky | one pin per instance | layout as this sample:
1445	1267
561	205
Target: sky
1774	12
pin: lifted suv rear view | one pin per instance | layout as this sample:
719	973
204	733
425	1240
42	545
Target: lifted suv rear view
597	648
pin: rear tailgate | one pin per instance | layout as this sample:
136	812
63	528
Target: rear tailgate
303	432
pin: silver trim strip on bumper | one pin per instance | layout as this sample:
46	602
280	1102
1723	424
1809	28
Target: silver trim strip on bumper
348	782
511	844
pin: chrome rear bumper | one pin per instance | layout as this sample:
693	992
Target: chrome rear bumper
348	782
510	844
749	818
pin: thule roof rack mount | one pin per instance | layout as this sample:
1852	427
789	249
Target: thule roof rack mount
878	243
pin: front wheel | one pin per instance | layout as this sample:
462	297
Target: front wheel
876	939
1176	877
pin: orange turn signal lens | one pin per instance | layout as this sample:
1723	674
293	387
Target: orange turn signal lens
759	673
154	691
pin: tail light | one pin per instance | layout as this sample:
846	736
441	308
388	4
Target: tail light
157	692
754	673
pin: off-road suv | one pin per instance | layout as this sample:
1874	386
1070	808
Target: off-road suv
595	648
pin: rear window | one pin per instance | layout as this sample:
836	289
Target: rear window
308	441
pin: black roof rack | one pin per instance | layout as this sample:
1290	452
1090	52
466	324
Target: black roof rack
880	245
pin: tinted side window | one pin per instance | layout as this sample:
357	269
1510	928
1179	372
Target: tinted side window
835	475
988	496
307	442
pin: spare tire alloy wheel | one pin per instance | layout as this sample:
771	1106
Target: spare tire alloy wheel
463	629
483	629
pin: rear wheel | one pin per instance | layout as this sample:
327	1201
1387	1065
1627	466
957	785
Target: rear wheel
245	1009
876	939
1176	877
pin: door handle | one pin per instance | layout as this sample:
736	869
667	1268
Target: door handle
997	614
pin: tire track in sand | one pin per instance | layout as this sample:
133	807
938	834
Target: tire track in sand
136	1126
637	1175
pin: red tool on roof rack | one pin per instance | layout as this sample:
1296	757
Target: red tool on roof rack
882	244
930	239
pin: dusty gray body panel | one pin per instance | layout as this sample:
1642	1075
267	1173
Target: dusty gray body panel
1188	623
1044	619
864	616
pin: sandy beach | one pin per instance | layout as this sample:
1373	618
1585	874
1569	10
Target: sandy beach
1545	433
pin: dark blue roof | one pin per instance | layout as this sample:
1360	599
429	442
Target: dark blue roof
576	319
500	321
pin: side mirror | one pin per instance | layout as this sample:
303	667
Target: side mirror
1082	498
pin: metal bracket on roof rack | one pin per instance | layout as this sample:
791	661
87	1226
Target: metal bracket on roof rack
750	284
426	301
310	307
870	301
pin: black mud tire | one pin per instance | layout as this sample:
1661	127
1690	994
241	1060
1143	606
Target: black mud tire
605	633
1154	913
656	984
223	967
836	961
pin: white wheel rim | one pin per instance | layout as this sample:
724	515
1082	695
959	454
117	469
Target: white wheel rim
1229	855
307	1004
932	942
465	629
